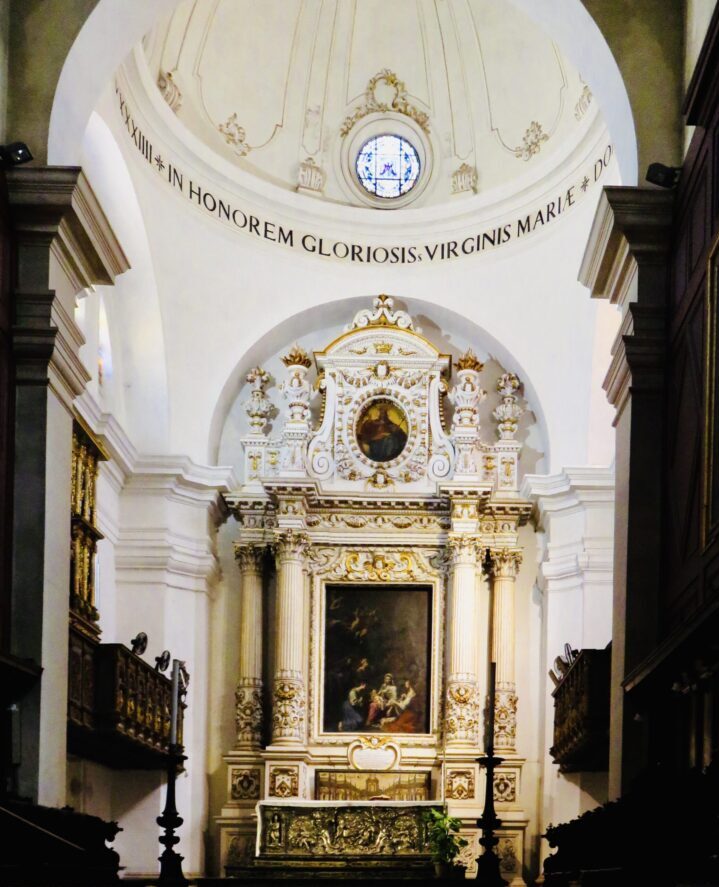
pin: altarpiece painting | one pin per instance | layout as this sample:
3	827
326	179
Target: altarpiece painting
377	659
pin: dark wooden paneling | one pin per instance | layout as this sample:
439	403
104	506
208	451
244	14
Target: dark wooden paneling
7	389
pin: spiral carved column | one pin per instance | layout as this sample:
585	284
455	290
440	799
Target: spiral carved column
248	695
462	699
289	700
504	564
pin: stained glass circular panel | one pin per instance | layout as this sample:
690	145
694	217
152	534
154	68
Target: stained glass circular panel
387	166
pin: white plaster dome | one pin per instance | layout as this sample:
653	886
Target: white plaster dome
290	90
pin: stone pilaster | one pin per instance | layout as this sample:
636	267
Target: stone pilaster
504	563
289	696
63	243
248	695
627	261
462	719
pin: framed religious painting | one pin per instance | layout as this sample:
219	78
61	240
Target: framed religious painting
377	659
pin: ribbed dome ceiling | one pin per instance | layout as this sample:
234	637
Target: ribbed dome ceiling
288	89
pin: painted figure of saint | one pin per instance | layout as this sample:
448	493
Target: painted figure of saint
382	432
388	692
351	709
406	720
376	708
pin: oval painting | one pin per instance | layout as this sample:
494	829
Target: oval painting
382	430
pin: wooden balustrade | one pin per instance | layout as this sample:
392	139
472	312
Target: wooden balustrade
581	714
118	706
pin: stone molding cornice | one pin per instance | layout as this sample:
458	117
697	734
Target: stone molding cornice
579	548
618	379
569	491
179	476
111	435
57	205
632	226
33	339
67	373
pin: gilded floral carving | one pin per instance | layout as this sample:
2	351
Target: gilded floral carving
235	135
385	92
505	717
245	783
248	711
505	787
532	141
288	714
462	712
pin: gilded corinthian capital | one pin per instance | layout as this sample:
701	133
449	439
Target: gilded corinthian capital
504	562
249	557
291	545
463	549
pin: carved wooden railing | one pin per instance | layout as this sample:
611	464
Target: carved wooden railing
119	706
581	713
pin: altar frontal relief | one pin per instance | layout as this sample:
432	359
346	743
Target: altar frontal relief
377	658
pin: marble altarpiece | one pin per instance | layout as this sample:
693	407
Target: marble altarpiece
382	496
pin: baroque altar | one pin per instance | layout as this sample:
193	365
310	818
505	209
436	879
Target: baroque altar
368	537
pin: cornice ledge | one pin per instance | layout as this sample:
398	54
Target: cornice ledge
181	477
67	371
579	479
109	431
570	489
58	202
631	225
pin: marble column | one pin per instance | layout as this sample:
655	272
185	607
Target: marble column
248	695
289	699
462	699
504	566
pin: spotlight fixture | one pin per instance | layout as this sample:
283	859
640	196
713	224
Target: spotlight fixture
14	154
664	176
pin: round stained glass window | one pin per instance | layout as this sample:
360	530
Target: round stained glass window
387	166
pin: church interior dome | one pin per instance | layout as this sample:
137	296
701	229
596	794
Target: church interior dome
291	92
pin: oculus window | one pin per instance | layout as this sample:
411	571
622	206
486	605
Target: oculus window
387	166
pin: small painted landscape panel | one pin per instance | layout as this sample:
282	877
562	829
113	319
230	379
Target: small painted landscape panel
377	658
371	785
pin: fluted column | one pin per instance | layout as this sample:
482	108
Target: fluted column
248	695
289	700
462	701
504	565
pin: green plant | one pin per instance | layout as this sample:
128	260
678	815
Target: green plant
445	842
